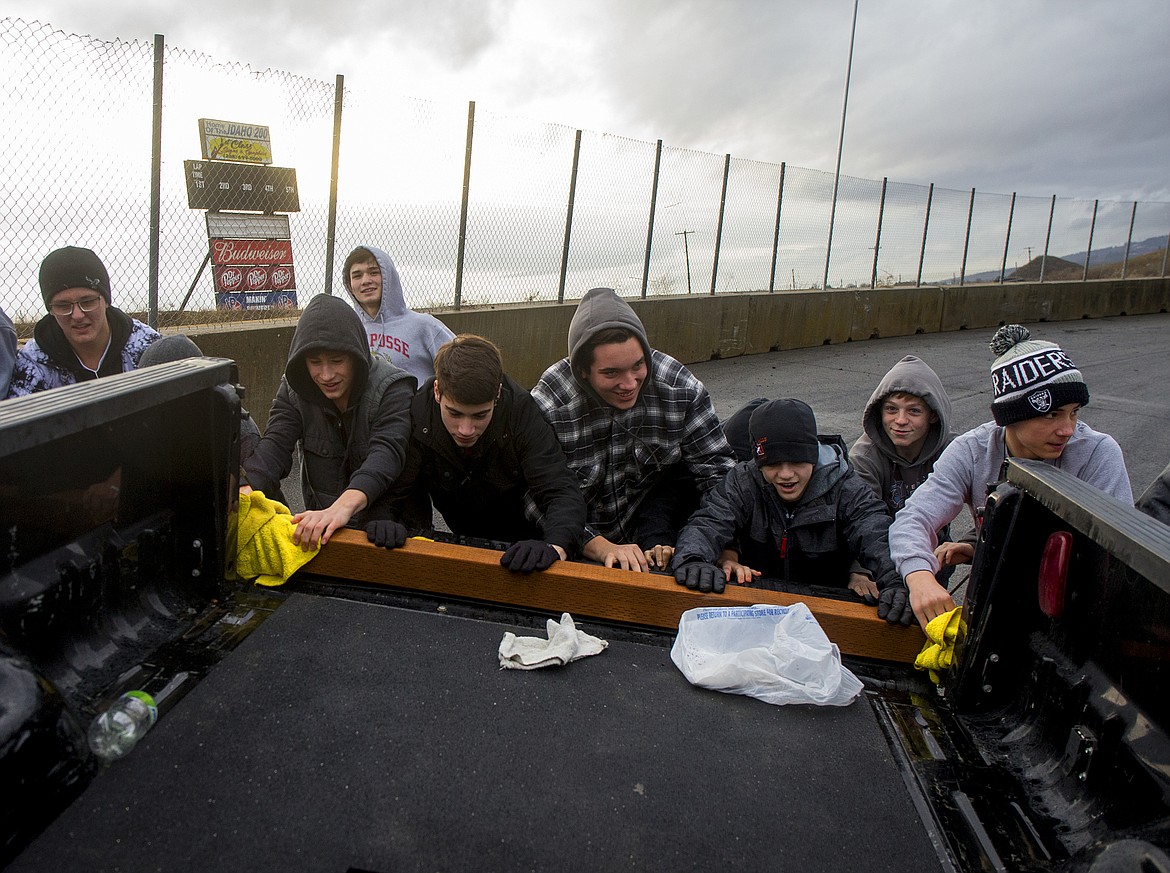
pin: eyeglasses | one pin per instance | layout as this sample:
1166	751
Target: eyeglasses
64	310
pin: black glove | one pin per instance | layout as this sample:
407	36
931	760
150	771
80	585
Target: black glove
528	555
894	605
386	534
700	576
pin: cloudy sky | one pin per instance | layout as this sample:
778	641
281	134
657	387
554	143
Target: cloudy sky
1065	97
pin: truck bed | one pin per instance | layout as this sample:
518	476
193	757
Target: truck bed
345	735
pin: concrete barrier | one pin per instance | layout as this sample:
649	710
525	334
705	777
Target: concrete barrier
701	327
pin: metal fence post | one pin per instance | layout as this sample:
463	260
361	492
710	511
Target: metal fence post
776	232
463	208
877	243
1007	238
1089	250
650	225
569	218
155	183
1165	252
1129	240
719	226
331	221
1047	237
967	241
925	228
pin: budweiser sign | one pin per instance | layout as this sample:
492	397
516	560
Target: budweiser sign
251	252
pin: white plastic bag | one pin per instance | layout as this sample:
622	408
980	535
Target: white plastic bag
778	654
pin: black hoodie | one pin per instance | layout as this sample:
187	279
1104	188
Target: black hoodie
362	448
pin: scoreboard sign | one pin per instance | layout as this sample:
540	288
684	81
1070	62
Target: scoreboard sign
219	185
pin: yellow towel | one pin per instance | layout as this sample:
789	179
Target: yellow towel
938	653
265	550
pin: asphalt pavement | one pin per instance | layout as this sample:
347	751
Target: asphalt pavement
1125	362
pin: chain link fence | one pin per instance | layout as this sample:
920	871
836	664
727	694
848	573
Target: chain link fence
476	209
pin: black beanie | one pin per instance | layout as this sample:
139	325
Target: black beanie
784	430
1031	377
73	267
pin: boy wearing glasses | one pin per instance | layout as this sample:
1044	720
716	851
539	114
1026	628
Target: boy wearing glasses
83	337
637	428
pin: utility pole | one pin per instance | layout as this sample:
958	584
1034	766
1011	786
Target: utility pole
686	251
840	148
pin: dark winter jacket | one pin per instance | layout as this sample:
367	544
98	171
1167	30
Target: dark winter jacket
813	541
362	448
481	493
48	361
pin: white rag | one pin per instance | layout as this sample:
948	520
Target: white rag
564	644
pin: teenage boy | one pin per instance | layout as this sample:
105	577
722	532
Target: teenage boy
406	338
796	513
83	336
639	432
905	427
1038	395
350	413
478	445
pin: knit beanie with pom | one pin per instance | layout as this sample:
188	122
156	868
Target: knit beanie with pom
1031	377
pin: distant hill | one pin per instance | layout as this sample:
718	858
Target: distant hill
1116	254
1147	264
1054	268
1105	263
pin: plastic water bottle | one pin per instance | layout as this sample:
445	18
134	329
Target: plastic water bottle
115	732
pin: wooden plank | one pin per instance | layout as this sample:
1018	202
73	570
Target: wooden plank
591	591
587	590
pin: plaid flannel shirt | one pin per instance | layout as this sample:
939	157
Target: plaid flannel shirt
619	454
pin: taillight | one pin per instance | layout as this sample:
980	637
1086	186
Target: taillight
1054	573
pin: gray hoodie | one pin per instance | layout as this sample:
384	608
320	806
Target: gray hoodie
963	473
875	457
406	338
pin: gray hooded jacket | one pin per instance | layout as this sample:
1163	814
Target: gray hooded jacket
876	459
406	338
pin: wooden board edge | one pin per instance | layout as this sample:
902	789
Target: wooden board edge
591	591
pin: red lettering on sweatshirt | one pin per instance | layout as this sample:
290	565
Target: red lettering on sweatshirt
381	342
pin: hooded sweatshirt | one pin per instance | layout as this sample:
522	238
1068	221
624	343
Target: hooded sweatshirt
619	455
965	472
406	338
875	457
812	541
363	447
48	361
